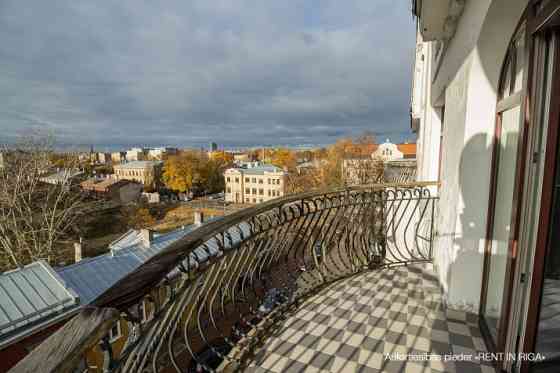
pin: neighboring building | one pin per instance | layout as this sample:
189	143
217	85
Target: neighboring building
35	302
38	299
160	153
136	154
145	172
399	171
213	147
121	191
485	105
63	176
408	150
103	157
389	151
254	183
118	157
240	157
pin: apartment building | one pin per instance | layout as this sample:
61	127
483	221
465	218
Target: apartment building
136	154
160	153
486	107
118	157
254	183
144	172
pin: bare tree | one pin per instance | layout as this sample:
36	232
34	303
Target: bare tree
35	212
361	166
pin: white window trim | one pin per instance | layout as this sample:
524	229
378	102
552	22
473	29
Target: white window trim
145	316
113	338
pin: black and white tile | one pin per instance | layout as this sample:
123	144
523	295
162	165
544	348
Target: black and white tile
353	326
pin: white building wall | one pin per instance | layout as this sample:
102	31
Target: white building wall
466	83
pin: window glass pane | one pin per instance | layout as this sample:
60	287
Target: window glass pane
507	159
520	62
506	82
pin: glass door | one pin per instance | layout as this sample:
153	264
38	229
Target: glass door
498	257
543	320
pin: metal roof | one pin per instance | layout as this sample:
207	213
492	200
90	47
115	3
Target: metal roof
138	164
258	170
30	294
38	295
91	277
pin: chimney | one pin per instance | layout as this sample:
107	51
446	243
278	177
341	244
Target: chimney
198	218
146	236
78	252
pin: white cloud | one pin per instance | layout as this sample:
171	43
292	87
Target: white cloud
126	71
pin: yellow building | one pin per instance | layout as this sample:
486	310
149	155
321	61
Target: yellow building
145	172
254	183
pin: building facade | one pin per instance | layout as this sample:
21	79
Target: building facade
147	173
254	183
121	191
485	105
136	154
159	154
118	157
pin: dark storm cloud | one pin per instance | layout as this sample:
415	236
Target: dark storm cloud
180	72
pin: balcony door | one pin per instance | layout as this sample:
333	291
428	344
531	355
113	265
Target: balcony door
542	331
499	256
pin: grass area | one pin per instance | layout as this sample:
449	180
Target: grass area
183	215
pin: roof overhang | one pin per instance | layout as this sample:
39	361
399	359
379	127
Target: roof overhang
437	19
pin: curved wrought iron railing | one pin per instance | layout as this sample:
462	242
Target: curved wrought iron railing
212	295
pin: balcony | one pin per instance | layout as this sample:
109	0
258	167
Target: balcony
327	281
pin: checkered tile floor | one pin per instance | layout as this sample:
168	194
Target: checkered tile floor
371	323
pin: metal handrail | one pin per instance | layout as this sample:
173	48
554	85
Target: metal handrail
213	291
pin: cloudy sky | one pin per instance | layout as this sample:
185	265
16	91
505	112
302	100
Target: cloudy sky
186	72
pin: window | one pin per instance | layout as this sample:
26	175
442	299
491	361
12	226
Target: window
261	192
143	312
254	200
254	180
503	190
228	179
237	180
255	191
115	332
260	181
247	180
228	190
247	190
269	192
268	181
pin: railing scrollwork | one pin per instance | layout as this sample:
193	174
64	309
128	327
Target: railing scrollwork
214	293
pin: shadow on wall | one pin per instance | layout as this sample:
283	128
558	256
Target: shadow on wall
464	224
464	274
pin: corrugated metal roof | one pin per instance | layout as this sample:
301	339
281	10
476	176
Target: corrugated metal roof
138	164
91	277
37	294
30	294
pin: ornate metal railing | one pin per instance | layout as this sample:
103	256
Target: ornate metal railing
213	294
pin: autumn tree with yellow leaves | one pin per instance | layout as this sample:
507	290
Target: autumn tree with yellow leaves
195	171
